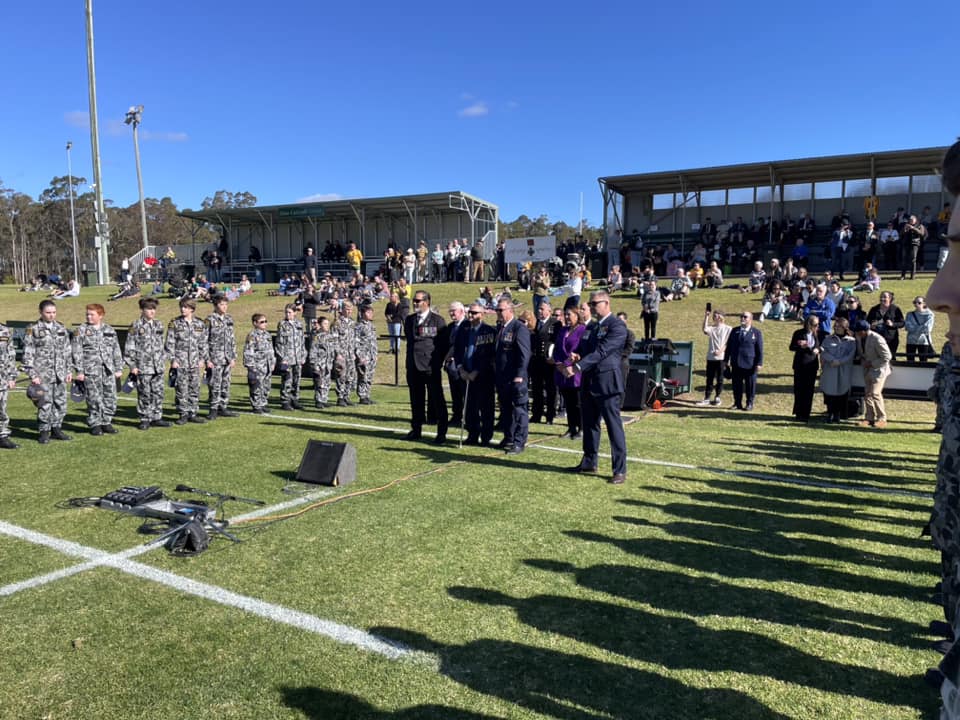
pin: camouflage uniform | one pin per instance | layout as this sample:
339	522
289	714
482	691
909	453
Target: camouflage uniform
259	360
47	357
322	352
942	390
97	356
186	345
144	351
366	357
221	350
8	372
345	334
292	352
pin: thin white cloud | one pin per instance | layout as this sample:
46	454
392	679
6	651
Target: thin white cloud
320	197
173	137
77	118
477	109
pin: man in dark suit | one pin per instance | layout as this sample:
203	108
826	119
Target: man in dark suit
542	382
744	356
424	331
511	365
473	356
625	354
457	385
599	362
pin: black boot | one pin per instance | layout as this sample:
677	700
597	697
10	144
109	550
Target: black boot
7	444
58	434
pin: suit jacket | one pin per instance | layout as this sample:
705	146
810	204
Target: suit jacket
804	358
874	355
512	352
426	343
484	340
744	348
601	348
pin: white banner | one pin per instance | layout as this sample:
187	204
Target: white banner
532	249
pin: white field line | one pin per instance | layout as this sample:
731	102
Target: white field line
278	613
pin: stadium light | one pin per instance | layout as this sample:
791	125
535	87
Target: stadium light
134	116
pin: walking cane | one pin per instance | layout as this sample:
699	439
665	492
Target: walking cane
463	413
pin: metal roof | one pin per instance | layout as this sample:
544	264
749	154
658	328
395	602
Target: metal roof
896	163
347	208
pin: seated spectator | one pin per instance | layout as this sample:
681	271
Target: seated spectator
72	290
679	287
126	289
696	275
836	293
614	279
869	284
852	310
821	307
775	303
713	278
284	284
245	286
776	272
758	278
800	254
789	275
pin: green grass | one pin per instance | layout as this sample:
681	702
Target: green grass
707	592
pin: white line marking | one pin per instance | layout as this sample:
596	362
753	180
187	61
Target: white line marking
278	613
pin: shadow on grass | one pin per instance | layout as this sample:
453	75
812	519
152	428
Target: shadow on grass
319	704
879	456
573	687
706	596
737	562
683	644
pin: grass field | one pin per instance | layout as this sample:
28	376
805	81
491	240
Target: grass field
751	567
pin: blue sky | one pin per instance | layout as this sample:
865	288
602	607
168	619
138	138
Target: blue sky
524	104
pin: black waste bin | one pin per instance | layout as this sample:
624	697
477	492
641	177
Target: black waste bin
269	272
89	277
598	265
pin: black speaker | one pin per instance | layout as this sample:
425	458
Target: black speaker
328	463
637	392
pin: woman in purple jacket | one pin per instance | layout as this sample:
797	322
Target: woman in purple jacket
566	343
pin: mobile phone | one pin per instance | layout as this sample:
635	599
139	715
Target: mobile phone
709	307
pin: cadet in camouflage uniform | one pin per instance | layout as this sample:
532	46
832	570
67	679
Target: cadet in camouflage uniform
48	361
345	332
186	348
291	354
259	360
322	352
8	378
366	353
939	390
97	363
143	353
221	357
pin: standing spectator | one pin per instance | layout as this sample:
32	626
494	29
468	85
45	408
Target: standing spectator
216	261
836	358
309	262
919	326
805	346
354	257
744	357
718	335
395	312
820	305
911	239
886	319
511	367
889	245
869	242
840	250
422	253
476	261
436	264
409	262
875	358
541	288
425	353
650	309
943	223
598	361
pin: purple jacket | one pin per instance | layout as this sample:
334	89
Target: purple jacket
567	343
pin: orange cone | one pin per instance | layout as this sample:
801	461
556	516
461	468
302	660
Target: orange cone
657	405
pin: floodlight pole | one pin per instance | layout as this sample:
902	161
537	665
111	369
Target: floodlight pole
102	239
73	222
134	116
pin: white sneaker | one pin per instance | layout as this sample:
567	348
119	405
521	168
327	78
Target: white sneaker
715	401
703	403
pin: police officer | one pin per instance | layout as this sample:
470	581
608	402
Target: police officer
186	348
345	332
744	357
8	378
511	365
47	361
366	352
98	363
323	351
598	361
143	354
291	354
423	330
221	357
259	360
473	360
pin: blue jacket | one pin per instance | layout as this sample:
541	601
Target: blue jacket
744	348
600	352
512	352
480	358
823	309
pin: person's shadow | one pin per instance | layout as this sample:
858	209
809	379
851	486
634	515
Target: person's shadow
319	704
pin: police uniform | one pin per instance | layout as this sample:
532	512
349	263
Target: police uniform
512	360
425	352
259	360
143	350
47	358
366	358
97	356
8	373
222	352
291	354
323	351
186	345
344	331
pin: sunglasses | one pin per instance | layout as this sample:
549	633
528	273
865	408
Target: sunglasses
474	312
594	303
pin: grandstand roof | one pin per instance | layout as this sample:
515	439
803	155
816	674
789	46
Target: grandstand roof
347	208
896	163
